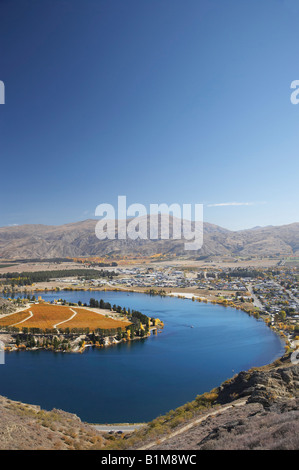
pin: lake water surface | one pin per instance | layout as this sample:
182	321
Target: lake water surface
137	381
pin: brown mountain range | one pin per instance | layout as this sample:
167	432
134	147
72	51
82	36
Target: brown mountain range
78	239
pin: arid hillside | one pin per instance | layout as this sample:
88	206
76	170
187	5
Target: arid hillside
78	239
27	427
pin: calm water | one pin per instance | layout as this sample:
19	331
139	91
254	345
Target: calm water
138	381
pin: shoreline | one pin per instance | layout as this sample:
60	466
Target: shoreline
182	295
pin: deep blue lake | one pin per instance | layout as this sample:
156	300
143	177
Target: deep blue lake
137	381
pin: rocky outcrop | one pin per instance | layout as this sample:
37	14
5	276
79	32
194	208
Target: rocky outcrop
262	386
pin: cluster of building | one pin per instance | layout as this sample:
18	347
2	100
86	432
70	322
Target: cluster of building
150	278
272	292
172	277
275	297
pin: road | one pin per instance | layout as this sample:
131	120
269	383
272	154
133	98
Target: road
117	427
256	302
22	321
64	321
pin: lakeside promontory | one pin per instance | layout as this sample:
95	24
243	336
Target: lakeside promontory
71	327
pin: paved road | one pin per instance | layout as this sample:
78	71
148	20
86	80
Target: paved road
256	302
117	427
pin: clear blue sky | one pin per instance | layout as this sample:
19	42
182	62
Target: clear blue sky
159	100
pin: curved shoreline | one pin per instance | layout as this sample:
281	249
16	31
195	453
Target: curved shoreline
182	295
274	357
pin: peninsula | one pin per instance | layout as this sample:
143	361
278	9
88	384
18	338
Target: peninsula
71	327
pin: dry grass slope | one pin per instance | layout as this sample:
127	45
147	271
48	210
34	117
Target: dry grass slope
28	427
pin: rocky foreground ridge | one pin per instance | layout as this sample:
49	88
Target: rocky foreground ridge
258	409
268	420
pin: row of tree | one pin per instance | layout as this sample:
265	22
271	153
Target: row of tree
133	315
139	322
30	341
29	278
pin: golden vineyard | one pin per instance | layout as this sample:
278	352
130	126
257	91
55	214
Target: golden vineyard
47	316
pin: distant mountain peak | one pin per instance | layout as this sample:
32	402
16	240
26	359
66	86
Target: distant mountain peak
78	239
